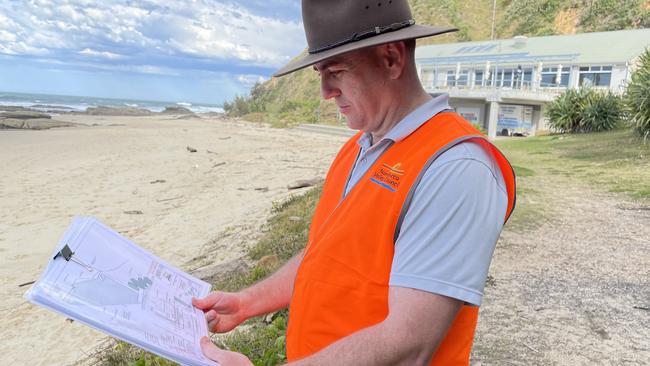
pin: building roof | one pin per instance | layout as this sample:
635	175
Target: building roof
585	49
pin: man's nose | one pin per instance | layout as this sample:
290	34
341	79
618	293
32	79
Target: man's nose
327	90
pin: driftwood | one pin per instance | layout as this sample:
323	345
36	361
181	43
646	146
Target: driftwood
169	199
305	183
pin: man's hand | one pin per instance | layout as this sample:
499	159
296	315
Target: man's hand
223	310
225	358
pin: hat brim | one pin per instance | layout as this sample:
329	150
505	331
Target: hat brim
411	32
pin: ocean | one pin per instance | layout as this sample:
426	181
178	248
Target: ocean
66	103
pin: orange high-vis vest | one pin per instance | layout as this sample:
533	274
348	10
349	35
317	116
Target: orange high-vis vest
342	283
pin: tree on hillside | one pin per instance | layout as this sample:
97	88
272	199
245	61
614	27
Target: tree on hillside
540	17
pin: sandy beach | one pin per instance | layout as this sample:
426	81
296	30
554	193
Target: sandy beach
137	175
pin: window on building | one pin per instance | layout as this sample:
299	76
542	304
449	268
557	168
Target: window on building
528	78
463	78
507	76
478	78
451	78
550	77
595	76
523	78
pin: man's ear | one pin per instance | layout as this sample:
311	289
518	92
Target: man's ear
395	59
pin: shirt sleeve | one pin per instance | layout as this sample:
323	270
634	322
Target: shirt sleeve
449	233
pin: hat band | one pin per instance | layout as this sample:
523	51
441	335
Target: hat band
365	34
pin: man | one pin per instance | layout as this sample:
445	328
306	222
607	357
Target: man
411	209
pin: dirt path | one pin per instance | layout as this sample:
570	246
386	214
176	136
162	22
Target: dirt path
575	290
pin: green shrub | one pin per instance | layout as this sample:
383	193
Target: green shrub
292	112
585	110
480	127
238	107
564	112
602	112
264	344
637	97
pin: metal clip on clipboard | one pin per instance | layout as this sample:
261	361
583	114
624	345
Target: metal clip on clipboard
68	255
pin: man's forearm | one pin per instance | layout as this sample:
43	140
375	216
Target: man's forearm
374	346
416	324
274	292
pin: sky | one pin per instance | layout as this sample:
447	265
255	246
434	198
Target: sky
200	51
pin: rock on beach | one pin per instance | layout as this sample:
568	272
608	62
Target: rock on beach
117	111
29	120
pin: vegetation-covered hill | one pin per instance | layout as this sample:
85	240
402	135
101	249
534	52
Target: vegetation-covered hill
295	98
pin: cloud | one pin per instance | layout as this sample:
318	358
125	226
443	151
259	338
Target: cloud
196	30
7	37
101	54
249	80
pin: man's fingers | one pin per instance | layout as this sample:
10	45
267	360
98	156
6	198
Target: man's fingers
213	319
219	301
210	315
212	325
210	350
206	302
225	358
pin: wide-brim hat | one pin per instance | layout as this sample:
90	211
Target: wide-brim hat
334	27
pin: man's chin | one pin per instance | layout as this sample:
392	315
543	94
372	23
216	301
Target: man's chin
354	124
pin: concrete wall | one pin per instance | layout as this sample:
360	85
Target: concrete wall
471	106
542	121
574	77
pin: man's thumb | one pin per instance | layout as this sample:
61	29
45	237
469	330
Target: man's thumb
202	303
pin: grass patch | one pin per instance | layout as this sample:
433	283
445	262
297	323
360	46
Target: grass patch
522	172
531	209
284	235
287	230
616	161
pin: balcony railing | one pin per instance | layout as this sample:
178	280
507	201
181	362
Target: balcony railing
496	93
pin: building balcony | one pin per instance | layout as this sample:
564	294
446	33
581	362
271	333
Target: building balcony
493	94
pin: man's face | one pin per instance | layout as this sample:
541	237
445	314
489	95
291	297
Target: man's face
356	81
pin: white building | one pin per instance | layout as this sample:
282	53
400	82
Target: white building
503	85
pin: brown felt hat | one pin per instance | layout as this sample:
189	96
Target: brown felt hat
334	27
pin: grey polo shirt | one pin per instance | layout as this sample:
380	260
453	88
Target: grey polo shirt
449	233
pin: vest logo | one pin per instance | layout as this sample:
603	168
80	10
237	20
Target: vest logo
388	176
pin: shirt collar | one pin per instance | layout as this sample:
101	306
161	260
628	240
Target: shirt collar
411	121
